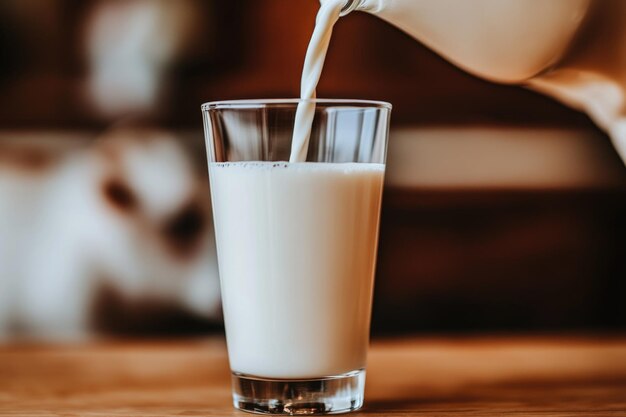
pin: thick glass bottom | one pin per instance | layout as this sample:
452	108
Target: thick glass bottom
328	395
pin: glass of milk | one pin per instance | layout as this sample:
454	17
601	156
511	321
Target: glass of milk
296	245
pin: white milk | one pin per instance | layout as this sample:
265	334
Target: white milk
297	248
311	72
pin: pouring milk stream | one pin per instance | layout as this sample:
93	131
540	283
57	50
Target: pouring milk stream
571	50
313	64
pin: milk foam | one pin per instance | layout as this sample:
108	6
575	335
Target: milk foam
347	167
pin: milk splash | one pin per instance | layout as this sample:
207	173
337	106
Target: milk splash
327	16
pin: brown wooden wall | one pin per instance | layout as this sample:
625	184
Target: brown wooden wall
253	49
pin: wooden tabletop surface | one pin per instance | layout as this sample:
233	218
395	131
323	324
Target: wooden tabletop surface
469	376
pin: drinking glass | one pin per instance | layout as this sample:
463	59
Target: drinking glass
296	245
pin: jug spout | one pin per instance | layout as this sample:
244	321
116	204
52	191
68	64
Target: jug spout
370	6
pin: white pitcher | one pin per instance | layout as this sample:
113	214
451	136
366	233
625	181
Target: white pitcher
572	50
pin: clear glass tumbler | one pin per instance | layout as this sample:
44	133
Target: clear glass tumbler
296	246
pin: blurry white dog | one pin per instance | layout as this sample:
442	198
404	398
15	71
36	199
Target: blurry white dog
126	221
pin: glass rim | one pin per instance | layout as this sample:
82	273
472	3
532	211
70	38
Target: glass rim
260	103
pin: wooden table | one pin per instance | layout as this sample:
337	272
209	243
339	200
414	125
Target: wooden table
529	376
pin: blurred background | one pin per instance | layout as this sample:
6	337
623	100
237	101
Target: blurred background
503	210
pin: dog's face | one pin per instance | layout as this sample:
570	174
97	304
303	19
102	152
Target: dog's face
155	243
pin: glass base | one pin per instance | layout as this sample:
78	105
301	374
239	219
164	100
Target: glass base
328	395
